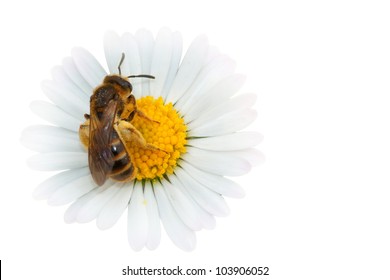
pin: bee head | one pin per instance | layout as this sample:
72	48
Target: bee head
120	81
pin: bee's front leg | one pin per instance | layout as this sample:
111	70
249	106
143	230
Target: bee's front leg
84	133
144	116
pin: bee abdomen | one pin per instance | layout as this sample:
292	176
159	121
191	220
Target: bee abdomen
122	169
125	174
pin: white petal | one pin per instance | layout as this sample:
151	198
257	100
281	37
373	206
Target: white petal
211	74
114	208
145	46
67	100
132	62
217	94
71	213
177	46
228	142
113	51
55	115
58	161
161	61
208	220
137	223
60	77
209	200
178	232
74	74
205	219
50	185
189	68
72	191
239	102
88	66
45	138
212	53
215	183
91	209
154	234
253	156
183	206
231	122
219	163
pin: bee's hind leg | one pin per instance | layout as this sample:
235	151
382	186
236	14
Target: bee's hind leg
131	136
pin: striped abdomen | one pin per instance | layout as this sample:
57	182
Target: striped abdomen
123	169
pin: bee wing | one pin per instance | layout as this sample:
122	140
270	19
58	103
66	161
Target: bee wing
100	156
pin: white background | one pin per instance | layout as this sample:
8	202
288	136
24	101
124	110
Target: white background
317	209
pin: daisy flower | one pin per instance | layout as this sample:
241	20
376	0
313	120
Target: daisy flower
198	130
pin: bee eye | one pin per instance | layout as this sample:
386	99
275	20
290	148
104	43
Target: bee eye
129	86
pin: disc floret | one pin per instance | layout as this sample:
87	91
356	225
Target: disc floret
167	132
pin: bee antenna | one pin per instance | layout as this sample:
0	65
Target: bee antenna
141	76
120	63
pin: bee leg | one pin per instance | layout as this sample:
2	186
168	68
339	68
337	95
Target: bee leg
144	116
84	134
131	136
131	110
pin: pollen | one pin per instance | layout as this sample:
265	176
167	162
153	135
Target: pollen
164	129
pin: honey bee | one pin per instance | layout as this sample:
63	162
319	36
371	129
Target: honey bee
107	132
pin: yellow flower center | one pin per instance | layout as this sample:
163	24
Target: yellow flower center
169	135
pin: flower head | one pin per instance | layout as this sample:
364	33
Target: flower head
183	142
